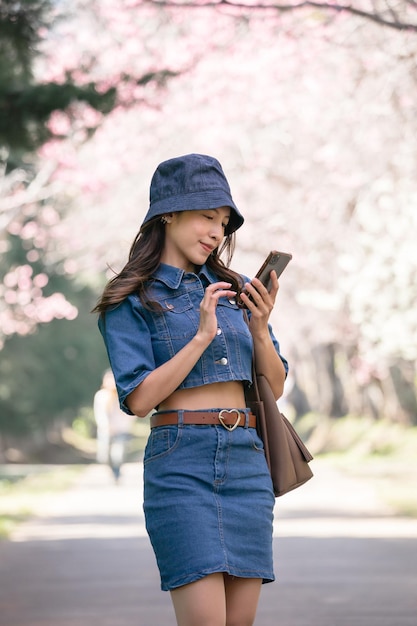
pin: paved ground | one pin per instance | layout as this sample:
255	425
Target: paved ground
341	559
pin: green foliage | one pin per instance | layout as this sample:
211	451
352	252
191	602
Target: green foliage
20	24
84	424
25	111
50	374
25	105
21	495
373	450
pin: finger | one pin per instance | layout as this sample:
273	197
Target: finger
224	293
256	290
274	286
211	298
254	305
273	289
219	290
274	283
220	285
260	287
260	302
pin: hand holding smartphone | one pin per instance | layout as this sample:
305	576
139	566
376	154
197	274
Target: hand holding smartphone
275	260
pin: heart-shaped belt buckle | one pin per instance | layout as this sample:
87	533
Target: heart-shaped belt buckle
222	418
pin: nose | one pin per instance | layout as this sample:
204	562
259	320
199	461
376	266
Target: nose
216	231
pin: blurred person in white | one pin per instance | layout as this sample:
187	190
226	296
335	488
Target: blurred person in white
114	427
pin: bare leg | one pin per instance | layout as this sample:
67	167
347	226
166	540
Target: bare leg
242	596
217	600
202	603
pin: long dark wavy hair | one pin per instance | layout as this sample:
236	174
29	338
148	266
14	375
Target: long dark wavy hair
145	257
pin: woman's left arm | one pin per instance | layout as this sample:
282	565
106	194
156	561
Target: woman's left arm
268	362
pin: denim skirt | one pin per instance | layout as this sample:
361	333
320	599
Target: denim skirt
208	503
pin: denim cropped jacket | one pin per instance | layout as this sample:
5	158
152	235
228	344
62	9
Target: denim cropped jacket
139	340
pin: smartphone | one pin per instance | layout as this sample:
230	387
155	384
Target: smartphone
275	260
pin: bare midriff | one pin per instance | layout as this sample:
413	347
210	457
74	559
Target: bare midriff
217	395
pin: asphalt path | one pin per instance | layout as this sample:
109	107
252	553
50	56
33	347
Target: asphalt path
341	558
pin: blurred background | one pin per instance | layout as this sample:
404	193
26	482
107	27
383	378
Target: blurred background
312	112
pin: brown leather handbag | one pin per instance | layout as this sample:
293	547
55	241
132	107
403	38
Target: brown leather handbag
286	455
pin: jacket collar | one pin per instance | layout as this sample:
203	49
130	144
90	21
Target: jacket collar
172	276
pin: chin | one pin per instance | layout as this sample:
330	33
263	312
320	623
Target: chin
199	259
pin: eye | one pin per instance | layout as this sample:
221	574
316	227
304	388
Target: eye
209	217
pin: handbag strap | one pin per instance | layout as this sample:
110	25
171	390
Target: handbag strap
255	390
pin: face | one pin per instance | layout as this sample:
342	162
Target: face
191	236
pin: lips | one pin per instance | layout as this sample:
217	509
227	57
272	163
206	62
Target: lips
206	247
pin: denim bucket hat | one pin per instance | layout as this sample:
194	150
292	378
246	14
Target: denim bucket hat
192	182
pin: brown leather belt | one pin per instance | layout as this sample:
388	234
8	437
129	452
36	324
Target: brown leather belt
229	418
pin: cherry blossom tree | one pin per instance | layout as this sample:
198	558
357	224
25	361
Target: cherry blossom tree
310	109
397	15
44	104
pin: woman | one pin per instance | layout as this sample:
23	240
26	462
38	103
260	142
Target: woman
178	342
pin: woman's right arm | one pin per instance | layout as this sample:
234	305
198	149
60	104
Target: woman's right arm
165	379
160	383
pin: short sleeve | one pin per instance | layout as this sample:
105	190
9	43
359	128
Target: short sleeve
127	339
277	348
246	279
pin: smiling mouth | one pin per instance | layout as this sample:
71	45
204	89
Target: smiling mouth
206	247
